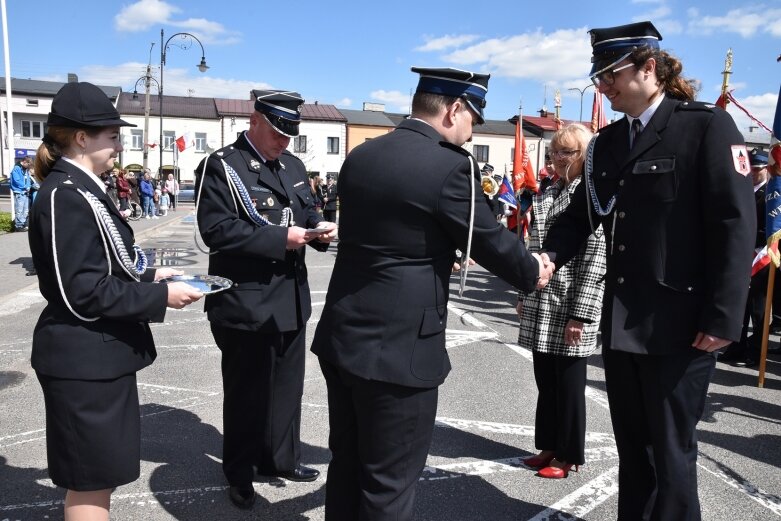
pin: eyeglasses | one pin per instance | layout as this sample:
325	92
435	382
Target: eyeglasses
608	77
563	153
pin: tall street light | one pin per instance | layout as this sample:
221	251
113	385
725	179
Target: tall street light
582	91
185	43
148	80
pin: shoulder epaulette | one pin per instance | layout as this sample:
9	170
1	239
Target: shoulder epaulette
225	151
451	146
696	105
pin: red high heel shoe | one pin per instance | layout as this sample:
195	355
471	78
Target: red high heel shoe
557	472
538	461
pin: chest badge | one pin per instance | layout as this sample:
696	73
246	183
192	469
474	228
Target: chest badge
270	201
255	164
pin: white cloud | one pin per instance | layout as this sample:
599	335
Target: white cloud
534	56
745	21
145	14
446	42
178	81
660	12
344	103
395	98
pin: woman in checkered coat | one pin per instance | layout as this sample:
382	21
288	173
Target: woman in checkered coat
559	323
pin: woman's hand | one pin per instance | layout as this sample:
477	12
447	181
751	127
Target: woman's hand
573	333
181	294
163	273
519	308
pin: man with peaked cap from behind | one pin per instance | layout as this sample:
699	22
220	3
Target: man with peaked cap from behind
669	183
381	336
255	212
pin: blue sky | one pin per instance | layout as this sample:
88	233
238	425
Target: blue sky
348	52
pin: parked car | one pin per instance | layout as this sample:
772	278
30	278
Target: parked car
5	186
186	192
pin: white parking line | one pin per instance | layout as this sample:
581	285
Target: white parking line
583	500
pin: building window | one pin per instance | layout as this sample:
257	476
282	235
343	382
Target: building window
168	139
136	139
481	153
32	102
200	141
333	145
299	144
32	129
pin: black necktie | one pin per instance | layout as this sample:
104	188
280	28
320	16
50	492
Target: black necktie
637	127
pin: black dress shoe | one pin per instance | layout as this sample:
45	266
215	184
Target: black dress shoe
243	496
746	362
300	473
732	355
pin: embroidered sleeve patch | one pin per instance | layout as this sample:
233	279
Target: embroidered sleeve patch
740	159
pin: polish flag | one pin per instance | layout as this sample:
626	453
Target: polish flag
185	141
760	261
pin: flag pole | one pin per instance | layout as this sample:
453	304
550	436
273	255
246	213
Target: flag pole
517	196
725	77
766	324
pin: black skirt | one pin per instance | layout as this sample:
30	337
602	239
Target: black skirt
93	432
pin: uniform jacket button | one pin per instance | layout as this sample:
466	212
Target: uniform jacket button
604	174
621	247
621	215
620	280
621	183
653	167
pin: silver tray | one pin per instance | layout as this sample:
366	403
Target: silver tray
206	284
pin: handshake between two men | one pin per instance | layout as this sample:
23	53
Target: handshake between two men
547	267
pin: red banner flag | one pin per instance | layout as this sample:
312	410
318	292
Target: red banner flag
523	175
598	119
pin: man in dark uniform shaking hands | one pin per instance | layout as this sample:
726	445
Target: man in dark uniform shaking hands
669	183
381	336
256	213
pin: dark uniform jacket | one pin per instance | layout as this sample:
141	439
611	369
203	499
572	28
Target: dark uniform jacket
271	287
331	193
405	201
77	274
685	222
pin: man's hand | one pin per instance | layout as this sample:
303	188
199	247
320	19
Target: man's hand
326	237
297	237
709	343
457	265
546	269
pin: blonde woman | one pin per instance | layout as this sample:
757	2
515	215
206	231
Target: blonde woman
559	323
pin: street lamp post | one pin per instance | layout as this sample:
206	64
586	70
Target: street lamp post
186	43
582	91
147	79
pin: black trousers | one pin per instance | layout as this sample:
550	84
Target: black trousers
655	404
263	381
560	421
329	215
380	434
